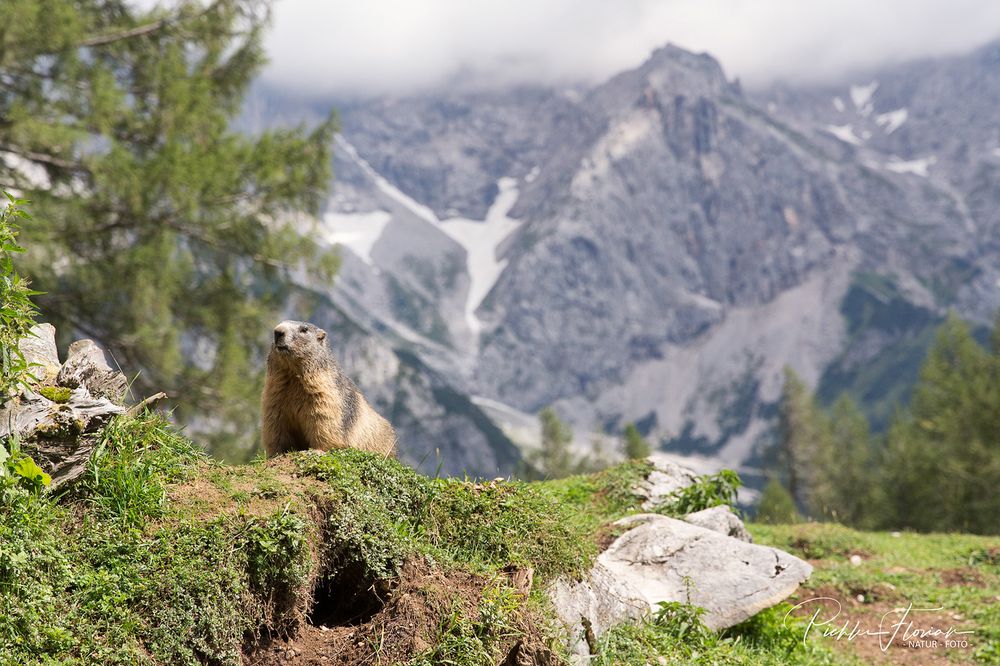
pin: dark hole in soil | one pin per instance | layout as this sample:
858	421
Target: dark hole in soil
347	600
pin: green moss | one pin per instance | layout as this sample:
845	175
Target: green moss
59	394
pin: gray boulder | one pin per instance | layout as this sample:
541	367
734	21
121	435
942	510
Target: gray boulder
666	478
671	560
590	607
720	519
663	559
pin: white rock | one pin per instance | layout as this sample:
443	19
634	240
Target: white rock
600	599
663	559
665	479
720	519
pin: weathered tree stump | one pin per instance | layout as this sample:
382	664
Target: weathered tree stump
59	419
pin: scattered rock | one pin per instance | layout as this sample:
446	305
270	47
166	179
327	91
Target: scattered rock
86	366
720	519
666	478
664	559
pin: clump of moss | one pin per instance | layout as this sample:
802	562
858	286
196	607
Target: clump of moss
58	394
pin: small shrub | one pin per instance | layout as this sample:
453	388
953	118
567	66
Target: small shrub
710	490
776	506
17	312
20	477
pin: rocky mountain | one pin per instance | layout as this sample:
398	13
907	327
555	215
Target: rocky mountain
657	247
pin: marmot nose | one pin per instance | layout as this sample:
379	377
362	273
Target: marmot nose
279	337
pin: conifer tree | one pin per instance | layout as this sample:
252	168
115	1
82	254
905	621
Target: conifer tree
158	229
776	506
554	456
846	487
943	458
802	430
635	445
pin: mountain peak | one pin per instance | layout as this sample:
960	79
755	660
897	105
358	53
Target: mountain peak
672	70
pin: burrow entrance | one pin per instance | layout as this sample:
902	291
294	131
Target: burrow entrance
347	598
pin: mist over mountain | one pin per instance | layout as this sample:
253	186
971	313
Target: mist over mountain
655	248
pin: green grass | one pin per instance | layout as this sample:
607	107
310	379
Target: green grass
958	572
676	636
158	555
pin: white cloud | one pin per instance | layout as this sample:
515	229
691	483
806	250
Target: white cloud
323	47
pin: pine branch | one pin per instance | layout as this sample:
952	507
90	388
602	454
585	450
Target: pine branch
102	40
43	158
148	28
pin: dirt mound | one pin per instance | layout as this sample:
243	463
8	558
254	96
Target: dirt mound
415	609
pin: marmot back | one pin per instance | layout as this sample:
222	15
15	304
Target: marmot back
309	403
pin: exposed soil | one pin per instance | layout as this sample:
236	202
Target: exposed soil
405	626
882	609
962	576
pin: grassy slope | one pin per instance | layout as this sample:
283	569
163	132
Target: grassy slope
958	573
161	556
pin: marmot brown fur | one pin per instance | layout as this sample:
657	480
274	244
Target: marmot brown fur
309	403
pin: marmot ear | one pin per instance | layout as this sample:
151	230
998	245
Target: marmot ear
321	334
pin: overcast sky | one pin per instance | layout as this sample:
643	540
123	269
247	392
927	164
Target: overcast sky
351	47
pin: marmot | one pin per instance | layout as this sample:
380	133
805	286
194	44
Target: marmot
309	403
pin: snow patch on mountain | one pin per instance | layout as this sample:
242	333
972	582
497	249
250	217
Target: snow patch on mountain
387	188
862	97
845	133
838	104
918	167
892	120
356	231
481	238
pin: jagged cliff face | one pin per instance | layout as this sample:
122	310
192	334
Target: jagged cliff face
658	247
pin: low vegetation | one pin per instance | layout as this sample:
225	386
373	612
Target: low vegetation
870	574
160	555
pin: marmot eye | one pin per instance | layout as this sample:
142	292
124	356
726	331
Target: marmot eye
303	329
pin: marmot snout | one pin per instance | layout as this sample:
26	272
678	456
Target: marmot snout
309	403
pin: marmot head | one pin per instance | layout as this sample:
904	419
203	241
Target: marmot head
298	341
